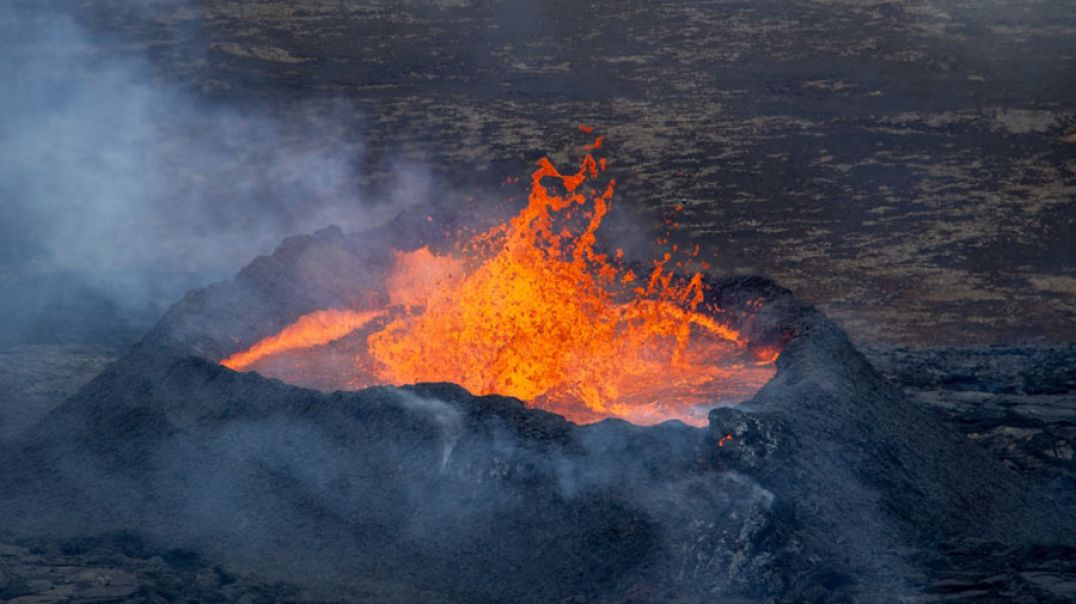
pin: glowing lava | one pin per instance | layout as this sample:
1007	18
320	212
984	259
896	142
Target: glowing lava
310	330
532	309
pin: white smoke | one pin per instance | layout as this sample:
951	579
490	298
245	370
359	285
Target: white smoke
141	188
448	418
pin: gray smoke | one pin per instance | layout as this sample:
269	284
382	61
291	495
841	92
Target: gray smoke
116	184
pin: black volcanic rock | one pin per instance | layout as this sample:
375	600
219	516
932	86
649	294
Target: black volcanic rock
1003	370
1017	403
831	484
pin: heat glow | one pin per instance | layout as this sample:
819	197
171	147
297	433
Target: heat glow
533	309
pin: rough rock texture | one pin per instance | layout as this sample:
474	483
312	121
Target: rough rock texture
1018	403
831	484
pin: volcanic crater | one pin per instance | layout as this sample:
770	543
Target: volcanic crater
533	308
826	483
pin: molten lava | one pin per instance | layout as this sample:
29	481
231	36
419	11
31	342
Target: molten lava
310	330
533	309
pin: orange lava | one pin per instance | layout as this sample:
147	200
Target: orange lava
314	329
532	309
417	275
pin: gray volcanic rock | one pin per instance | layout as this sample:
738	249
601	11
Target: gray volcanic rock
830	484
878	472
120	569
1017	403
1003	370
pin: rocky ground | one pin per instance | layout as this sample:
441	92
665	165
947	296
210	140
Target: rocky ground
118	569
916	153
1018	403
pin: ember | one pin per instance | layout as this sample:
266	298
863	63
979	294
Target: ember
533	309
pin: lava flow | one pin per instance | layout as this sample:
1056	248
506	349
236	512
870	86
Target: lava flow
532	309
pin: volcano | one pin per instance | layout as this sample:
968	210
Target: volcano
821	481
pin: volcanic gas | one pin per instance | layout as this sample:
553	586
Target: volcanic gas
534	308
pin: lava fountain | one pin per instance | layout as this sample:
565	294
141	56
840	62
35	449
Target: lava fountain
534	309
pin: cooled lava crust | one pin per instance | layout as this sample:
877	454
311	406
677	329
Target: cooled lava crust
828	485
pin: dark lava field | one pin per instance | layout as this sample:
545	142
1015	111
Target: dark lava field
919	155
